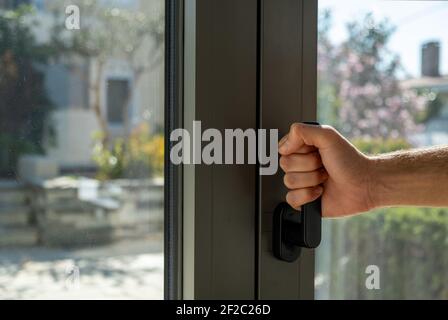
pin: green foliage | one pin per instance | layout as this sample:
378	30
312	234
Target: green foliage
141	156
409	245
11	147
24	105
111	160
436	102
377	146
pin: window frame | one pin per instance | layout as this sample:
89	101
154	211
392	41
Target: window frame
173	175
218	217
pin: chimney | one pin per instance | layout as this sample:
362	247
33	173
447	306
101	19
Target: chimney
430	59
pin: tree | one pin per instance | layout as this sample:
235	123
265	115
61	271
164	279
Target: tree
362	72
24	105
110	32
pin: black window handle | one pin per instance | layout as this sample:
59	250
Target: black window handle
293	230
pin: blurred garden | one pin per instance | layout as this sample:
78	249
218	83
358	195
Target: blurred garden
81	149
30	45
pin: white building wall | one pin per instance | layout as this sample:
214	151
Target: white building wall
73	143
74	122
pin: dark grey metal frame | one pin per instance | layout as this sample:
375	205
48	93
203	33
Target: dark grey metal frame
234	64
288	94
173	195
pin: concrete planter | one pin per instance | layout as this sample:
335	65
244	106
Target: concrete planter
67	212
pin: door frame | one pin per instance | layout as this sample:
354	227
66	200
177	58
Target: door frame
255	59
173	175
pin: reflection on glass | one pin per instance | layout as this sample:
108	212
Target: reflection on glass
81	149
384	90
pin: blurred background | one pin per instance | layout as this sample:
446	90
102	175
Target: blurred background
383	82
81	149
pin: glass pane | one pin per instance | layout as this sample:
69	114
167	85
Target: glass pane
81	149
383	83
117	92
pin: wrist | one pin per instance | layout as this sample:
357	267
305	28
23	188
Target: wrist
388	182
377	184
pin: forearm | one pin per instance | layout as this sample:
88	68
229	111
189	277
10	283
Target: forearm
410	178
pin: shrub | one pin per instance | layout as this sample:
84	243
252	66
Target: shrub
139	156
377	146
24	104
409	245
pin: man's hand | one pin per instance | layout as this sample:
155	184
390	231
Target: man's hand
317	161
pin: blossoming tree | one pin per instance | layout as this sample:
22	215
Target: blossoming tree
359	84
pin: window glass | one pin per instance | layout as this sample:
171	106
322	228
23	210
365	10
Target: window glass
383	83
81	200
117	94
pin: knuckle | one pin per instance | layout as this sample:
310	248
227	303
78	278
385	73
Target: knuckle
292	200
329	130
284	163
289	181
295	127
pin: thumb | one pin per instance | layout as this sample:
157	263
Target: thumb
301	134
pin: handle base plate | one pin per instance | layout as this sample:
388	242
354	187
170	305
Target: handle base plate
282	249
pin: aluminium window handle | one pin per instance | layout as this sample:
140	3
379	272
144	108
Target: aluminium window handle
293	230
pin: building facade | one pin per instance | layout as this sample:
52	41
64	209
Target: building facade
68	83
434	86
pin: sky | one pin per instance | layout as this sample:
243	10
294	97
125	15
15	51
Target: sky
416	22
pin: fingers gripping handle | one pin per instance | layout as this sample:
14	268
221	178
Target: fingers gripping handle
312	216
293	230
